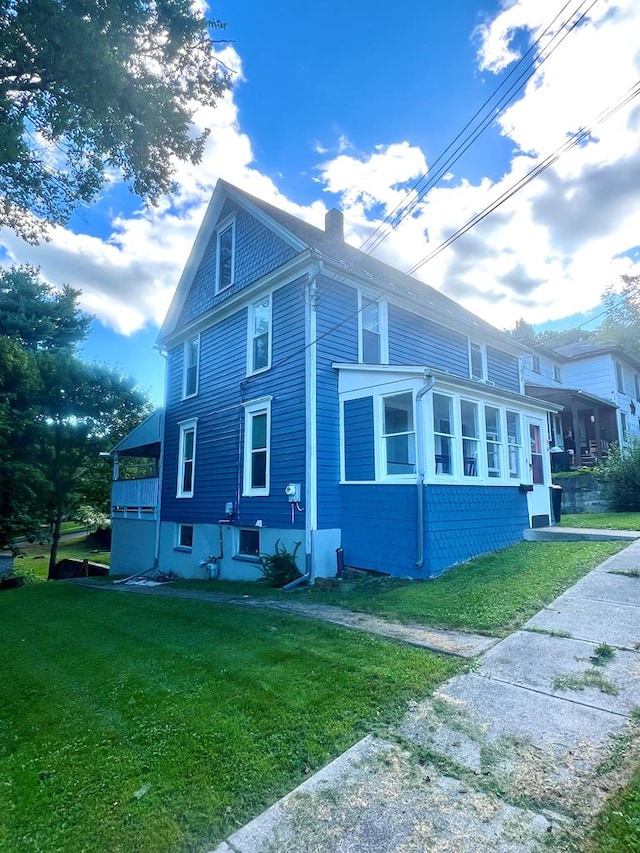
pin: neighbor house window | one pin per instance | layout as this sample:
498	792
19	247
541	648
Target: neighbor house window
443	433
619	377
477	361
514	444
259	343
493	441
535	364
556	373
186	459
249	543
257	433
225	254
623	424
185	536
470	437
636	381
190	372
398	435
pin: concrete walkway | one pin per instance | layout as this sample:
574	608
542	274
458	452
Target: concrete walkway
515	756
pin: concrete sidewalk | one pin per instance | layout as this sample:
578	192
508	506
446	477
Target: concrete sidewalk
512	757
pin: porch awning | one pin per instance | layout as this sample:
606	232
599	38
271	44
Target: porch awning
568	397
144	440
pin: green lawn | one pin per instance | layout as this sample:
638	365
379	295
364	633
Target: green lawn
494	594
618	825
144	724
603	520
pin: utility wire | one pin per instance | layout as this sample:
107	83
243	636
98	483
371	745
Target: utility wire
428	180
538	169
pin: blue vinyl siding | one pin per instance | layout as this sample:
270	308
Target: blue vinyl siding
218	407
337	334
359	441
503	369
257	252
461	522
417	340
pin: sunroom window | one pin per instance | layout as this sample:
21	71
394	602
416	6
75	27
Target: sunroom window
493	441
514	444
477	363
399	434
470	437
443	433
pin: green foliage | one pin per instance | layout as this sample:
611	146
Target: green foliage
105	696
602	520
619	475
88	86
621	326
280	567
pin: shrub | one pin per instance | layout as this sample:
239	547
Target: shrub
620	477
280	567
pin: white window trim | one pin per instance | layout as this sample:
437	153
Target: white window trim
250	335
260	406
380	439
230	222
186	426
383	320
483	355
185	351
178	546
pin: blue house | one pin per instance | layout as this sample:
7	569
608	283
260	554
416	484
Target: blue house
317	395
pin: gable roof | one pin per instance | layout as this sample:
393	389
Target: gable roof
333	251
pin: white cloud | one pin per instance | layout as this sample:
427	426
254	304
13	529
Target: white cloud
546	253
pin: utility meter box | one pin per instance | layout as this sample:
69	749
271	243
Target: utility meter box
292	491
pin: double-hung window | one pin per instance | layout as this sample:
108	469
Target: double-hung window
257	451
619	377
190	371
225	255
186	459
477	361
493	430
372	331
470	437
398	434
514	444
259	337
443	433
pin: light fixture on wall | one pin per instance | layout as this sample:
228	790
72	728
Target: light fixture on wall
592	419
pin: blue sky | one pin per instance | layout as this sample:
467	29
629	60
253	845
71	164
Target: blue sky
347	105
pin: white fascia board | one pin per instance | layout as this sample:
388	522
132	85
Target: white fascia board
354	377
274	280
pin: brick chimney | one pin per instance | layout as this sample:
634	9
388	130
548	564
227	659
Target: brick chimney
334	224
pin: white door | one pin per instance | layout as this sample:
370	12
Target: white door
539	473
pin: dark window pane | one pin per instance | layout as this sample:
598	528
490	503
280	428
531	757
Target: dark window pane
187	476
259	432
261	351
259	469
249	542
370	347
225	259
186	535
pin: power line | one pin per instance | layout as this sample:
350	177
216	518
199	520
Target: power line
538	169
428	179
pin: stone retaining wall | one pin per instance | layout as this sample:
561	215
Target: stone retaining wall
581	494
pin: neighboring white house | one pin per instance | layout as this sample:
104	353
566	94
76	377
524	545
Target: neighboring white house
599	387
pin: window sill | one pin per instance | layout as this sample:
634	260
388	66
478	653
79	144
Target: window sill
259	371
184	495
183	549
245	558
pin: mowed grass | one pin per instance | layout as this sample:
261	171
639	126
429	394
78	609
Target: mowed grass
493	594
603	520
134	723
618	825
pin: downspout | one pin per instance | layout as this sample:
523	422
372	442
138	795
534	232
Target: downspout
429	381
156	556
311	450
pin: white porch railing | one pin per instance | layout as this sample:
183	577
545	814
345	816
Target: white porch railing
135	493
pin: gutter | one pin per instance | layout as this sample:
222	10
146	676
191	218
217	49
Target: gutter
429	382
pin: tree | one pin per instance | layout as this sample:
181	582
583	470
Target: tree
88	86
621	326
82	410
35	315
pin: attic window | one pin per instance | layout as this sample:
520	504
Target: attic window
225	253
